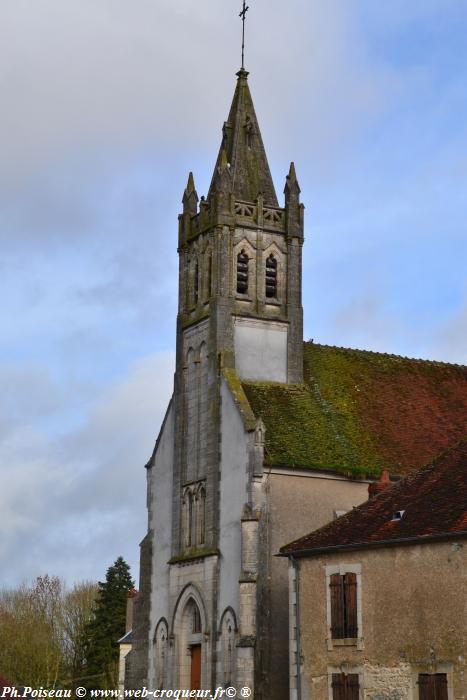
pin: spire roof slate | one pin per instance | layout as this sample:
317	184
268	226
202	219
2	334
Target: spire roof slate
244	149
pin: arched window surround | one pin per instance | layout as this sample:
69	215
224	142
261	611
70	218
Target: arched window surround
277	287
228	632
160	641
184	637
244	247
243	272
193	516
271	277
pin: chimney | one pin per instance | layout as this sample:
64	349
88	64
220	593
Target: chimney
379	486
132	593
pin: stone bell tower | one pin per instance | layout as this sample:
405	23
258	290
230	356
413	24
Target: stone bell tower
240	261
239	308
240	256
240	313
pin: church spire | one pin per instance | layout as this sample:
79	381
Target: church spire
190	197
243	146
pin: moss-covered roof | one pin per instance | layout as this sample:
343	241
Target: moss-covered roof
359	412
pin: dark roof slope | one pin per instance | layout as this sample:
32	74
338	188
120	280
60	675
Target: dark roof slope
359	412
434	501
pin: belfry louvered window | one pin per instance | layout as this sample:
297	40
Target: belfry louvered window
271	277
433	686
242	273
344	623
345	686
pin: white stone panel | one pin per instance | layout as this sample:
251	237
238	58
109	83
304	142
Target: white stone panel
233	495
261	350
160	513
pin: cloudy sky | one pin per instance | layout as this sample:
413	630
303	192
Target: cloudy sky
105	107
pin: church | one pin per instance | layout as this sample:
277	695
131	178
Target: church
266	436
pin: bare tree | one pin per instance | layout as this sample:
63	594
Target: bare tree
77	611
42	628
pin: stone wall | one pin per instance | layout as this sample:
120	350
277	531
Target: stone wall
136	662
414	620
299	501
160	518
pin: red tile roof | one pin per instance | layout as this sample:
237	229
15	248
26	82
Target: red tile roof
434	504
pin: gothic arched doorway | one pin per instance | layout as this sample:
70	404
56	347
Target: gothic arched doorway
189	626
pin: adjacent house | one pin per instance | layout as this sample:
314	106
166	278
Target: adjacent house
378	597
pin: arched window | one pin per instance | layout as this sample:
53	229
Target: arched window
201	516
228	649
190	520
187	519
209	278
160	641
195	618
196	283
271	277
242	272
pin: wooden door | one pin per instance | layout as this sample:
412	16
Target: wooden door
195	667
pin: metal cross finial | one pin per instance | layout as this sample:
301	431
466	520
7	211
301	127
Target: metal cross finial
243	16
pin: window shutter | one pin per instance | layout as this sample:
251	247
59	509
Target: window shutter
345	686
350	597
338	686
424	690
337	606
353	686
440	682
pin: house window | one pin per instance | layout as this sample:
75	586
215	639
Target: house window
271	277
345	686
433	686
242	273
344	620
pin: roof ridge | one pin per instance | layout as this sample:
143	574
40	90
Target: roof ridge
385	354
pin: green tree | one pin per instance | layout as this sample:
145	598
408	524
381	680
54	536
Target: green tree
107	625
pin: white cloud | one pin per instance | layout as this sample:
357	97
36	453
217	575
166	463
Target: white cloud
93	76
450	342
70	503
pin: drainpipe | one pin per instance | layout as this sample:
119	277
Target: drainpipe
296	567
